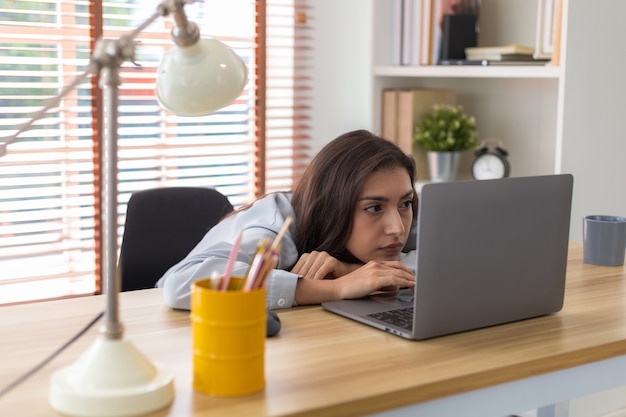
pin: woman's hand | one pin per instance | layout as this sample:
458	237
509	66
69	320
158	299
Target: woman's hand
375	276
359	282
321	265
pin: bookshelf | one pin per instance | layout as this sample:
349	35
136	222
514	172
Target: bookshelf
515	104
568	118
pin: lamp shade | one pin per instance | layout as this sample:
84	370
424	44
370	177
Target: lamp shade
199	79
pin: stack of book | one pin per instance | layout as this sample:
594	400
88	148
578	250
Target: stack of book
512	54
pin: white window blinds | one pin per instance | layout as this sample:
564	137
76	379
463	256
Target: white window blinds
48	180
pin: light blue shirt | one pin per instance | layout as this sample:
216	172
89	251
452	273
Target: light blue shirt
263	219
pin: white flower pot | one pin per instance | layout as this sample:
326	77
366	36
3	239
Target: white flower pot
443	166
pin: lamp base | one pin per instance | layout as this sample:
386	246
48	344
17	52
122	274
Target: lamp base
111	378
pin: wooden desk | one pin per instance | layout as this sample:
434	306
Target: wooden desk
323	364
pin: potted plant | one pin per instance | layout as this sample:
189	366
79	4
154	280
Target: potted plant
444	134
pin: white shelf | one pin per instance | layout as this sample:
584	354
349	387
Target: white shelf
518	104
469	71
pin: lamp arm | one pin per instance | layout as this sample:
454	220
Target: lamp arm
184	33
52	103
104	54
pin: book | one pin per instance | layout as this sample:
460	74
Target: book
440	9
512	52
413	104
499	57
425	45
389	122
544	35
411	31
502	49
396	32
435	31
487	62
458	33
556	40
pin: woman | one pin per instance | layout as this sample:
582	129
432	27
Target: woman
352	212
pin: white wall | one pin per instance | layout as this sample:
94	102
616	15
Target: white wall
594	119
342	72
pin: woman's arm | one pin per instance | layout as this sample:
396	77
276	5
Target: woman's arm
280	285
263	220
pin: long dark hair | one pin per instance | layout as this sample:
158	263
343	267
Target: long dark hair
325	196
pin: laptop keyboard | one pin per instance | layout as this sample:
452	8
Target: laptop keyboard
402	317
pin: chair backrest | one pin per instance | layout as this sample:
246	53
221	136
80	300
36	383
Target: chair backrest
162	226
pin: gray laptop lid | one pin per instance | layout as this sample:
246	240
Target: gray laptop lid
489	252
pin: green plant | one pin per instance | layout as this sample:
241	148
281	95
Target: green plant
446	129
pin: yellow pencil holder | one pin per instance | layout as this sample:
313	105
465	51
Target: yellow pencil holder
228	330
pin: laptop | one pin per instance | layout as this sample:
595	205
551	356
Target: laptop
488	252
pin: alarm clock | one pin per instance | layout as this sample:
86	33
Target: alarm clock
490	161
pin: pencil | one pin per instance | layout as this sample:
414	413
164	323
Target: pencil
231	262
257	264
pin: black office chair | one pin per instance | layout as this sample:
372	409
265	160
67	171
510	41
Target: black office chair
162	226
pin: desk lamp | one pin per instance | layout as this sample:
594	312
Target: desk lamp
195	77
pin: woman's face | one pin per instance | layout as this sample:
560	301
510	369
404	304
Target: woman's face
382	216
